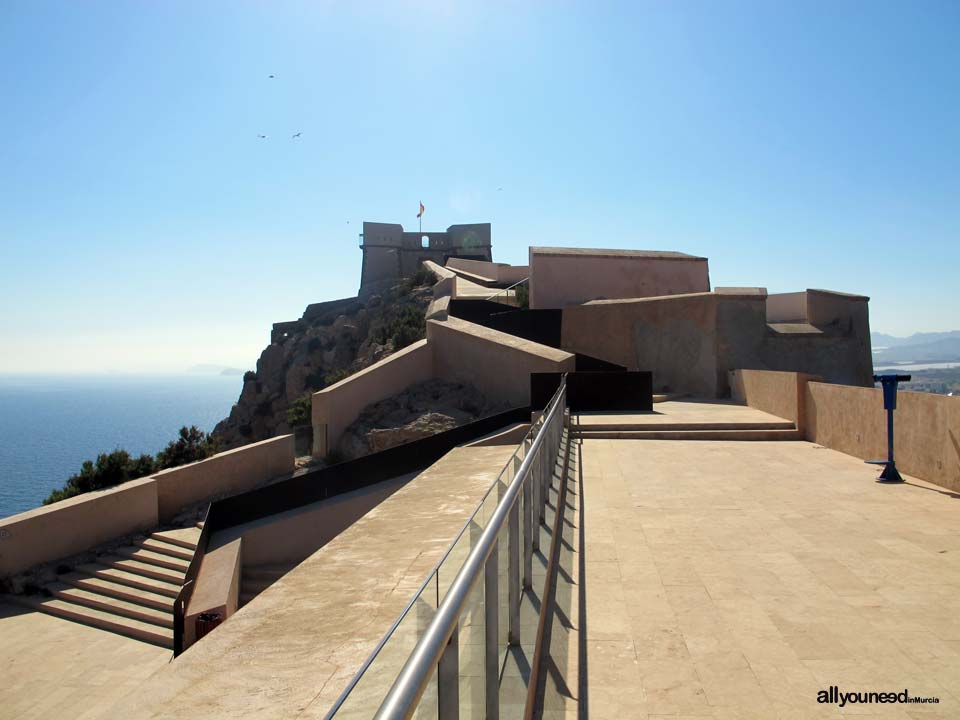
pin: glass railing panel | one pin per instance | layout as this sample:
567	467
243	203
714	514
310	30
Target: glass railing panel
472	657
370	690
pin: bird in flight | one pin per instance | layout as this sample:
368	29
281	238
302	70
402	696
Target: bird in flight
295	136
262	137
499	189
271	76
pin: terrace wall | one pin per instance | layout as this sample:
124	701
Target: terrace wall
335	407
71	526
853	421
496	363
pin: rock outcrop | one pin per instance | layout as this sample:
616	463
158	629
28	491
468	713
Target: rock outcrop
419	411
329	342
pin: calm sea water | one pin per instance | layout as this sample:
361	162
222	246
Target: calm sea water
50	424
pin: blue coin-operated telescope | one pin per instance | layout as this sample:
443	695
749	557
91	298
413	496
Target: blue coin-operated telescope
889	384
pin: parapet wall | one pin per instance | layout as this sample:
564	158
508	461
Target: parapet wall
71	526
779	393
852	420
496	363
500	273
76	524
691	342
335	407
560	277
226	473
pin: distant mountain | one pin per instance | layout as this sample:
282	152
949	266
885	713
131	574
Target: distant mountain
891	341
944	349
210	369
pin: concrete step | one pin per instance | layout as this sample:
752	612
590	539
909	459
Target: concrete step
120	591
164	548
690	434
149	557
184	537
113	605
143	569
585	423
124	576
96	618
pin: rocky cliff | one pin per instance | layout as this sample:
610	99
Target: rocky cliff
330	341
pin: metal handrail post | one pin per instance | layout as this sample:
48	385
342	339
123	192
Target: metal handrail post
491	628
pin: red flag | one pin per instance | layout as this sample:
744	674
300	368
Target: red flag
420	214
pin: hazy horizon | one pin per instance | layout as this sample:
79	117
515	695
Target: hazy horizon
145	227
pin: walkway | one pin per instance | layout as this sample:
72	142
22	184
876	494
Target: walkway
54	668
290	652
738	579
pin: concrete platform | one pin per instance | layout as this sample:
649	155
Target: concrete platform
737	580
685	415
55	668
292	651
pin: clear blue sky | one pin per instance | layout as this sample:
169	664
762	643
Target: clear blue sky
143	226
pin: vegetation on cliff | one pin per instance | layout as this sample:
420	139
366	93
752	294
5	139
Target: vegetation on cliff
119	466
330	342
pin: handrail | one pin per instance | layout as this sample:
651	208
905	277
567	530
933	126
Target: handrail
508	288
430	577
405	693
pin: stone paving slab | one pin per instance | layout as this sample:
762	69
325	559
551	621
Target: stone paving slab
737	580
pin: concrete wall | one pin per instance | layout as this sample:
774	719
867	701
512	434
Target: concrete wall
290	537
779	393
852	420
217	585
335	407
226	473
497	364
692	342
787	307
673	337
500	273
562	277
79	523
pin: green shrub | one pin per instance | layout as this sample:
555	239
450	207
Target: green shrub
523	297
403	325
421	278
109	469
192	445
334	376
299	411
118	467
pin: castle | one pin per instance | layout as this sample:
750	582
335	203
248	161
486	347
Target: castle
666	512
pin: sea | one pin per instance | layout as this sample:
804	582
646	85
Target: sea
50	424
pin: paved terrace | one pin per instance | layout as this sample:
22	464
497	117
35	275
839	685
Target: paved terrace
737	579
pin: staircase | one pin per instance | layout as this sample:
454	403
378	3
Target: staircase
635	428
257	578
129	592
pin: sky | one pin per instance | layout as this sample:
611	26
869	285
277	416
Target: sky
145	227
